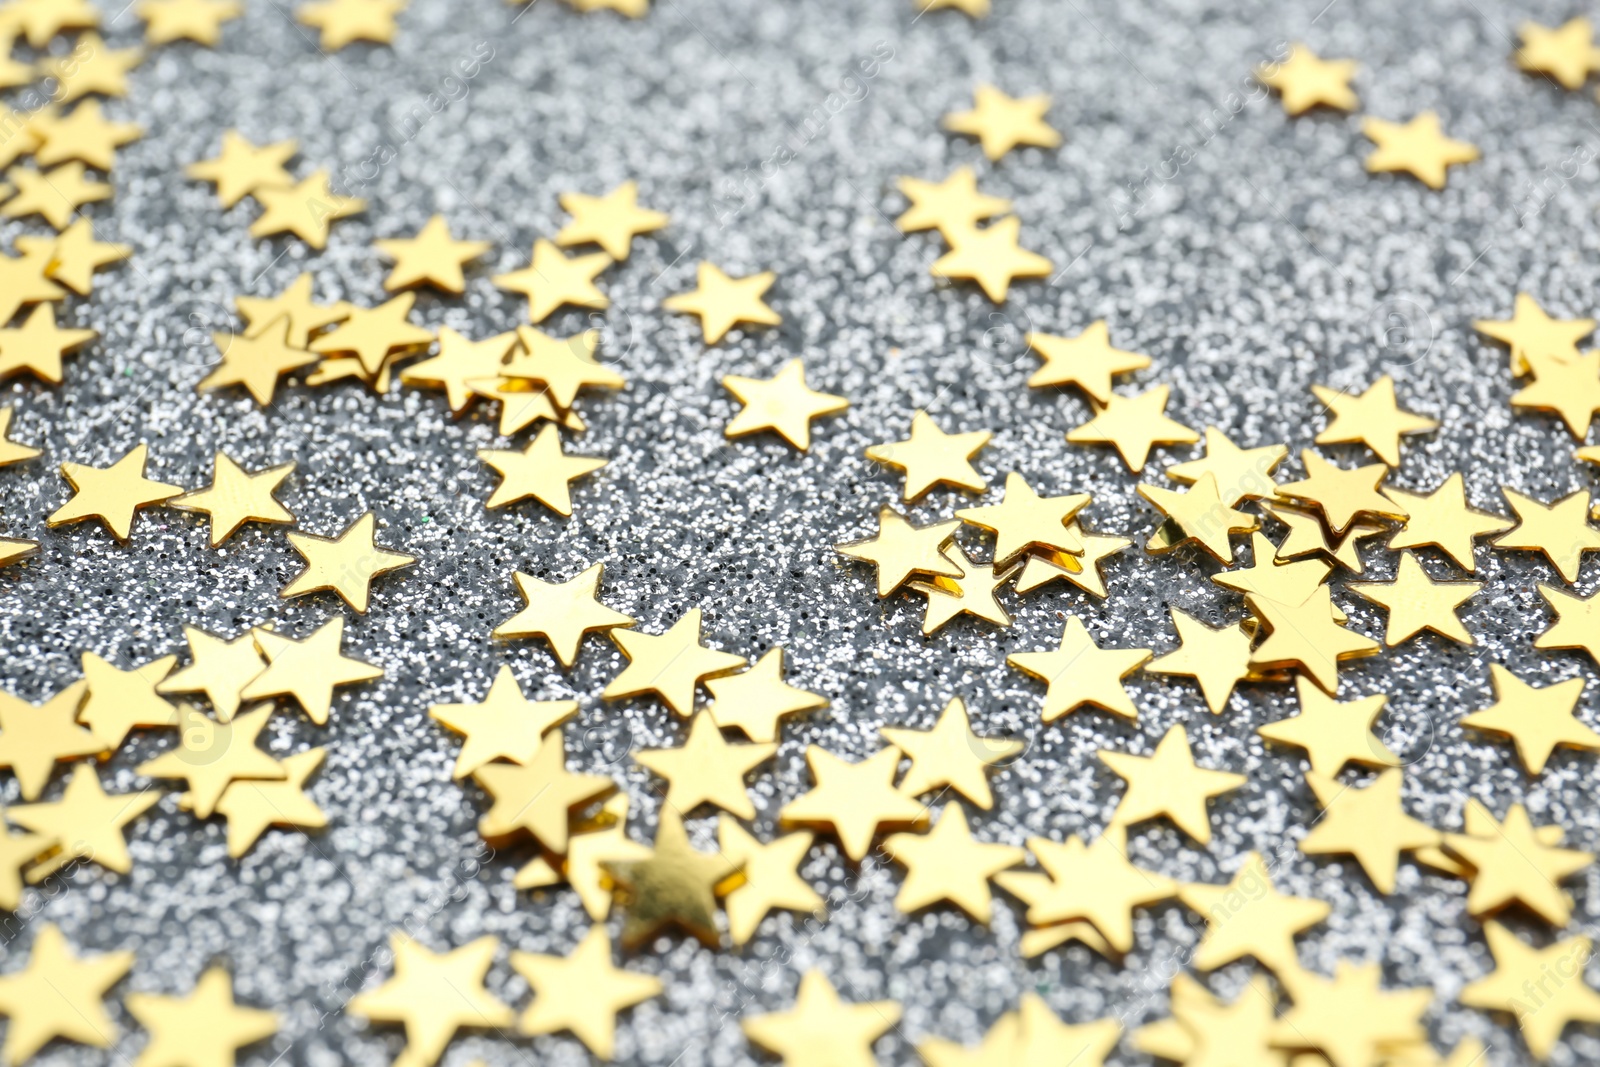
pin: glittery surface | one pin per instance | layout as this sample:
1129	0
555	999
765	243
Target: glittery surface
1248	254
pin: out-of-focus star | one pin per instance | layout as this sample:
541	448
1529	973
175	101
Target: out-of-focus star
1249	917
771	879
92	67
1333	734
1418	147
1001	123
611	221
1513	864
563	366
434	994
1367	824
83	134
120	701
1305	80
41	20
722	302
783	404
54	195
219	669
12	451
821	1030
375	335
306	317
241	167
33	739
86	821
1537	719
305	209
1092	883
1349	1018
552	280
1531	330
308	669
204	1029
674	888
992	257
252	806
670	665
58	995
433	257
1241	473
345	21
1520	967
854	800
757	700
186	20
1086	360
38	345
74	255
582	993
211	754
561	612
952	206
1566	53
1568	387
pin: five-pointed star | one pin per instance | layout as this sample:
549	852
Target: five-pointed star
1333	734
756	700
1241	473
204	1029
460	362
33	739
304	209
821	1030
594	843
522	403
536	797
306	317
1567	53
83	134
1001	122
952	206
972	592
432	257
611	221
581	993
1134	425
308	669
706	769
541	471
1536	719
253	805
92	67
211	754
1570	388
434	994
1024	520
1416	602
41	20
121	701
901	550
1082	571
562	365
191	20
1289	583
669	665
57	995
783	404
242	167
1443	519
344	564
1560	530
931	457
1349	1018
1199	515
17	851
1513	864
1087	361
73	255
1554	974
1418	147
1204	1031
86	821
1217	659
1342	495
1080	672
1531	330
219	669
1367	824
771	878
1306	80
854	800
504	725
976	9
1093	883
38	345
552	279
561	612
111	494
1168	783
236	496
1307	536
1307	636
948	864
1373	418
950	755
674	888
991	257
722	302
373	335
344	21
12	451
1249	917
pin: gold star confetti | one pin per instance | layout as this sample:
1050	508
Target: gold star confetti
1087	361
1249	917
1167	783
552	280
41	20
242	168
1024	520
1531	330
434	994
706	769
1217	659
977	9
1443	520
1093	884
252	806
541	472
38	345
34	739
537	797
1241	473
111	494
433	257
972	592
561	612
1569	388
1513	864
1416	602
305	316
17	851
1307	636
186	20
459	363
86	821
14	74
1001	123
562	365
1080	672
594	843
611	221
1198	515
1537	719
581	993
211	754
12	451
219	669
1343	495
992	257
670	665
22	282
722	302
757	700
1332	734
931	457
1367	824
1418	147
952	206
771	878
633	9
521	404
73	255
1373	418
57	995
1306	80
1134	425
308	670
236	496
948	864
1566	54
1084	571
821	1030
344	564
504	725
1307	536
783	404
1287	583
204	1029
675	888
1205	1030
1349	1018
304	209
375	335
901	551
950	756
856	801
1520	967
1560	530
1043	1038
93	67
345	21
121	701
83	134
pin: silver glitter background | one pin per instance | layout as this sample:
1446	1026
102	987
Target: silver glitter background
1268	262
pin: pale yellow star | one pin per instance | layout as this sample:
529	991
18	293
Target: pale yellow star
1570	388
950	756
611	221
1333	734
33	739
92	67
755	701
552	280
1567	53
582	993
344	21
1001	122
504	725
541	471
670	665
952	206
74	255
783	404
203	1029
771	880
1366	823
305	209
1559	530
1417	147
461	361
54	195
706	769
58	995
1167	783
433	257
1087	361
434	994
1249	917
241	167
948	864
931	457
722	302
1543	989
186	20
1373	418
821	1030
344	564
1538	720
1416	602
992	257
856	801
561	612
1443	519
41	20
1306	80
38	345
1531	329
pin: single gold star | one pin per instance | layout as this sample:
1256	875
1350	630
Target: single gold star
11	451
460	361
1241	473
504	725
931	457
950	756
1217	659
111	494
1133	425
976	9
952	206
38	345
1570	388
552	280
308	670
186	20
305	209
1167	783
1417	147
1560	530
633	9
41	20
592	844
1367	824
722	302
581	993
434	994
17	851
236	497
854	800
1542	988
1307	636
783	404
1343	495
22	282
1206	1032
1087	361
611	221
252	806
1531	330
1443	519
1249	917
1093	884
344	564
1538	720
1513	865
1001	122
345	21
1566	54
1198	515
92	67
992	258
433	257
1080	672
536	797
73	255
57	995
33	739
1024	520
1332	734
771	879
1349	1018
83	134
121	701
16	549
1416	602
1082	571
972	592
706	769
1373	418
948	864
756	700
669	665
901	550
305	316
211	754
1043	1038
561	612
242	167
219	669
86	821
540	471
1306	80
204	1029
375	335
675	888
53	195
821	1030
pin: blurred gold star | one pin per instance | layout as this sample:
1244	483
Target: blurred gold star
433	257
1367	824
1349	1018
722	302
120	701
854	800
38	345
1086	360
86	821
821	1030
305	209
305	316
375	335
73	255
1306	80
611	221
1570	388
210	754
564	366
1519	967
783	404
1092	883
186	20
1249	917
83	134
1205	1030
241	168
948	864
17	851
552	280
1531	330
204	1029
561	612
669	665
58	995
434	994
33	739
1001	123
345	21
308	669
950	756
1333	734
92	67
53	195
991	257
1566	54
952	206
1417	147
12	451
41	20
582	993
252	806
771	879
1241	473
219	669
755	701
1537	719
1513	864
